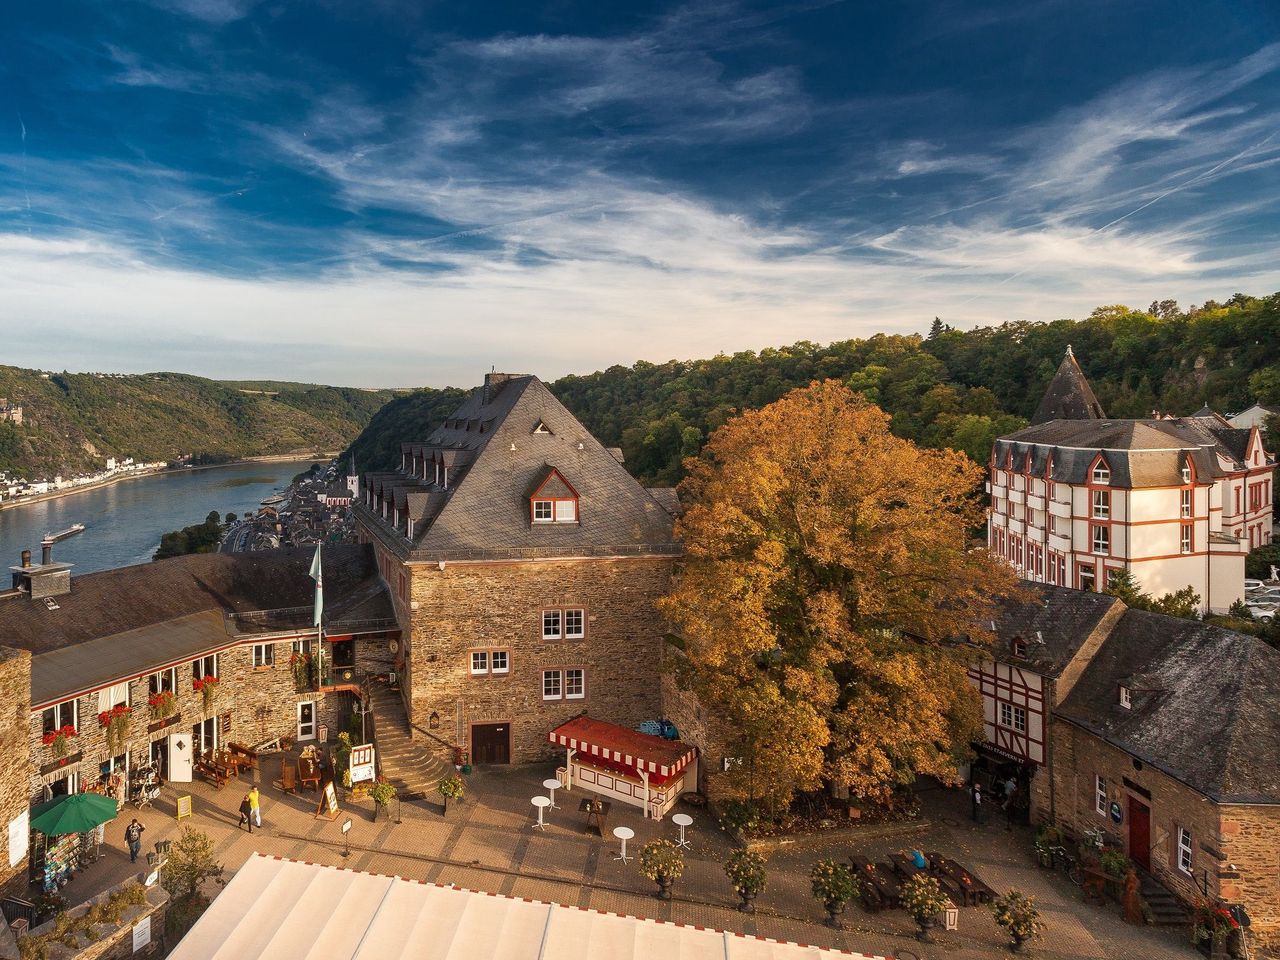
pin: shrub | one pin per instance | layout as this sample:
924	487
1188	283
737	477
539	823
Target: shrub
832	882
1115	864
739	816
922	898
745	870
382	792
661	858
191	862
1017	913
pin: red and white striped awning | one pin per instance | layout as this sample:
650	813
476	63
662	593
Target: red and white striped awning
619	745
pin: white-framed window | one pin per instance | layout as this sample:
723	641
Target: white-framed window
544	511
500	661
1018	647
552	685
1102	503
64	714
264	654
552	625
575	624
204	667
1101	473
1125	700
1015	718
1100	795
566	511
1101	539
163	681
479	661
113	696
1185	542
1186	503
575	684
1186	472
1184	850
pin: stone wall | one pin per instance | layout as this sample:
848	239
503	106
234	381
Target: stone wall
15	747
117	943
487	606
695	724
1233	847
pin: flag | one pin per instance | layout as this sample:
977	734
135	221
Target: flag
315	575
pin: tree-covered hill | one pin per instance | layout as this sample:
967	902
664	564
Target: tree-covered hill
73	421
954	388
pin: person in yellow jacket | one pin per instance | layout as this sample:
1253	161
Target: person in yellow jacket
255	806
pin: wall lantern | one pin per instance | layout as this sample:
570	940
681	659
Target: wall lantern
434	722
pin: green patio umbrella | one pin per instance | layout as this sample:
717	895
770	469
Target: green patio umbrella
77	813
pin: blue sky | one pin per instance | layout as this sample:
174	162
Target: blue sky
405	193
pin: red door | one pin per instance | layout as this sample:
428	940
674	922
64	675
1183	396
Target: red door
1140	833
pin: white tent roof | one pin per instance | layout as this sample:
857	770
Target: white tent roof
277	908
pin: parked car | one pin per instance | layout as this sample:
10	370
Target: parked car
1262	612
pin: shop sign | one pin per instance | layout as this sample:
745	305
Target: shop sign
1116	813
142	934
362	763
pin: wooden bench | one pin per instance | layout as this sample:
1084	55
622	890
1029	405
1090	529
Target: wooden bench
972	890
212	772
288	779
247	757
880	888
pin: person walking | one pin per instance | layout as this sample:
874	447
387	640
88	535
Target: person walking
255	804
246	810
133	837
978	812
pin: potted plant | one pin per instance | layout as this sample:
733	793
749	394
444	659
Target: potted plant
383	793
451	788
162	705
58	741
1212	922
1116	866
745	870
1017	913
923	899
662	862
833	885
1047	838
207	687
116	720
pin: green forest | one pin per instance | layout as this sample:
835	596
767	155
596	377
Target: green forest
73	421
951	388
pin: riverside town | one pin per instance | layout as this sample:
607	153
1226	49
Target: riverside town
932	613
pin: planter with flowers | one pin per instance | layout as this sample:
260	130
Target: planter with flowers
922	897
58	741
451	788
833	885
304	673
207	687
116	720
383	793
662	862
162	705
1017	913
1213	926
745	870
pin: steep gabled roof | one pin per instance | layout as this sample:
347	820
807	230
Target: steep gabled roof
1052	622
1069	396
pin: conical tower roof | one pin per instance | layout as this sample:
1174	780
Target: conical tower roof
1069	396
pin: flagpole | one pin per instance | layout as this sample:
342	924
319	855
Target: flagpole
318	615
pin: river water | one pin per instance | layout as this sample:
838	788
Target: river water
124	522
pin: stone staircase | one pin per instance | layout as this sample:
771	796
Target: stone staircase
1166	909
413	767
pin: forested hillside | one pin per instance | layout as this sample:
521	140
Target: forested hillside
72	422
953	388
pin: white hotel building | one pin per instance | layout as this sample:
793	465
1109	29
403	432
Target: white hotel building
1076	497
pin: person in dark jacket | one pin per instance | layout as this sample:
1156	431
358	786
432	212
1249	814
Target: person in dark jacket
133	837
246	814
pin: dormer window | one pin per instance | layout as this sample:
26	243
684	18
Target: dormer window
1019	647
1101	472
1186	471
541	427
1125	700
553	500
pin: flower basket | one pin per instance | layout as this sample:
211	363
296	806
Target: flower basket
833	885
1017	913
1212	920
207	687
162	705
303	667
923	899
116	720
58	741
382	792
662	862
745	871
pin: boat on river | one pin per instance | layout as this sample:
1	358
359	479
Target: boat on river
71	531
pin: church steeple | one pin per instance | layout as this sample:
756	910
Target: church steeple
353	478
1069	396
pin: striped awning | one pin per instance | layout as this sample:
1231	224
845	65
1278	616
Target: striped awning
638	751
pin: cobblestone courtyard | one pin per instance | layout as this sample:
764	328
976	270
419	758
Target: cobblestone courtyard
487	843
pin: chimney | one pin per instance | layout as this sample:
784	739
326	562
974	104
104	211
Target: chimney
46	551
26	558
493	384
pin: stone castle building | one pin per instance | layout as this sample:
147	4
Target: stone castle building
524	562
1077	497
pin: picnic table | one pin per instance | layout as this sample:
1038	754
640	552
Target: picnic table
967	889
905	866
880	887
597	812
212	771
246	757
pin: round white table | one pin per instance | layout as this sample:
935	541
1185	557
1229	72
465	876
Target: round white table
552	786
624	834
541	803
682	820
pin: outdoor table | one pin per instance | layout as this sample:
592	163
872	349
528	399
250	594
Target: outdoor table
597	812
682	820
879	879
624	834
905	865
972	890
541	803
552	786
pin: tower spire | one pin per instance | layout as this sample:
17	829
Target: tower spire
1069	396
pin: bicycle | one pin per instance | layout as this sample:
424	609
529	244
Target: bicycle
1070	865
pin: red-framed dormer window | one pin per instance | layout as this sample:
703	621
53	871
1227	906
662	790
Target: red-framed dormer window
1100	472
554	500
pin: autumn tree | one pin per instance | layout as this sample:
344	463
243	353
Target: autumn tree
829	568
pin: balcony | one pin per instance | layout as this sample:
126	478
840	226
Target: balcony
1016	496
1016	527
1035	502
1060	543
1059	508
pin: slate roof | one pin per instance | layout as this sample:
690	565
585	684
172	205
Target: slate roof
1203	704
1069	396
502	443
1053	622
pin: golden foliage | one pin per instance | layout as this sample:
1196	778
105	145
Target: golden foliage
829	568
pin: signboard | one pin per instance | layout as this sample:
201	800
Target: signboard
142	934
19	838
362	763
1116	813
328	807
184	806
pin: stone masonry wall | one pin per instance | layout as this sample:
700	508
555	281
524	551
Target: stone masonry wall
117	944
1236	846
15	773
491	606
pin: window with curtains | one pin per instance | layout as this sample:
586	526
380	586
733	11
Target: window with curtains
113	696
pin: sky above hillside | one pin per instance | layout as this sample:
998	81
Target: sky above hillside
404	193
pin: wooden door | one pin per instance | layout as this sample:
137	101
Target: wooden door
1140	833
491	743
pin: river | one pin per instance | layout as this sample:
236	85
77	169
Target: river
124	521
